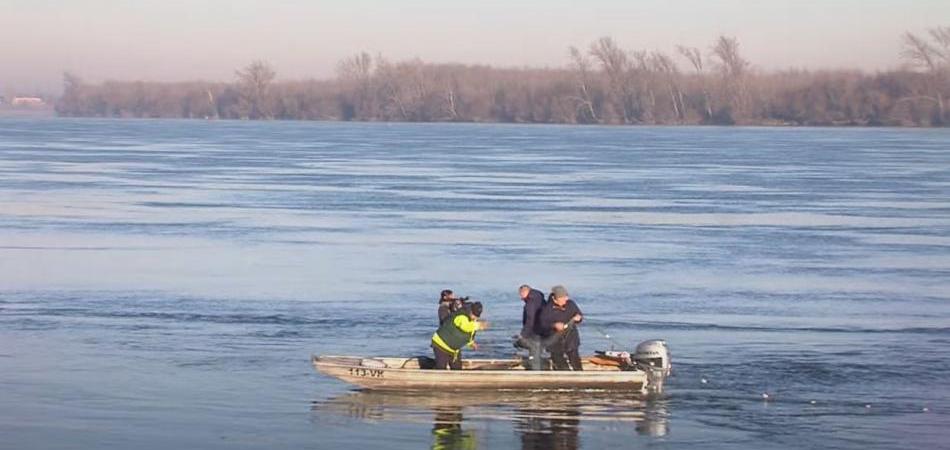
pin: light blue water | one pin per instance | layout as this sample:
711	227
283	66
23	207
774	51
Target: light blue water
163	283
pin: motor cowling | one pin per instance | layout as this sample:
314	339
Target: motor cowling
655	354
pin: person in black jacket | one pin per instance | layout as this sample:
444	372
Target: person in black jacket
446	301
450	304
530	336
562	339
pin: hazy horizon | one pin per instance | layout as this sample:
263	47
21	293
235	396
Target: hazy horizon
176	40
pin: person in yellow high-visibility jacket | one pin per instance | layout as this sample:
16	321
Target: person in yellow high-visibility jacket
455	333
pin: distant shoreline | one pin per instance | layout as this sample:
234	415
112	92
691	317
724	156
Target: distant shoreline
51	113
54	116
463	94
604	85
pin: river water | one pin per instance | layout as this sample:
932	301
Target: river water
164	283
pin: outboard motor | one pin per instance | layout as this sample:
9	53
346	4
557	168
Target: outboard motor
654	353
653	357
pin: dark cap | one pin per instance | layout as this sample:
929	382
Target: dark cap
476	309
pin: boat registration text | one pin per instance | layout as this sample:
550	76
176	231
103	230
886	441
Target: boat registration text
371	373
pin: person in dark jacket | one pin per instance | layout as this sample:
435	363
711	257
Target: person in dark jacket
446	299
455	333
562	340
530	336
449	304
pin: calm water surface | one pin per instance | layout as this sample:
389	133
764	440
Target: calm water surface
163	283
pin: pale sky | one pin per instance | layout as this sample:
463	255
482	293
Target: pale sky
169	40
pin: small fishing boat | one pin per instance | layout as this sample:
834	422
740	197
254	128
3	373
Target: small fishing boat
644	371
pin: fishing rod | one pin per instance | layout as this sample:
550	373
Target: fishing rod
606	336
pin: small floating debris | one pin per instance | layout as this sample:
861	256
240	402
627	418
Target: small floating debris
868	406
925	409
703	381
812	402
765	396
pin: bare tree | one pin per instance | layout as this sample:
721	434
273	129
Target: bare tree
642	80
733	69
730	61
212	105
616	65
451	98
695	58
390	97
585	99
253	83
934	58
664	66
357	73
406	89
356	67
919	52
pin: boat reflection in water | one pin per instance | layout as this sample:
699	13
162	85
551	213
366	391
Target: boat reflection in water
542	419
447	432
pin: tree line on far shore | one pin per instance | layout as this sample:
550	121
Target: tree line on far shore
602	84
